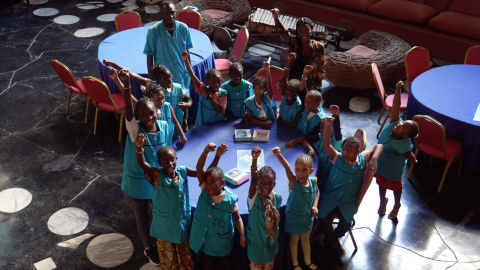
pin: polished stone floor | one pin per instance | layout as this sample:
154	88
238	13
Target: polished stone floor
61	206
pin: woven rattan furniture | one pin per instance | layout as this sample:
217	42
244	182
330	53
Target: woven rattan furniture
355	71
239	10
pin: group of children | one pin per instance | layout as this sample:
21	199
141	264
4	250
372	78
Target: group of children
164	212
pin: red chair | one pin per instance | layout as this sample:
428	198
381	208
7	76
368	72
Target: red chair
432	140
238	49
127	19
276	74
191	18
472	56
72	84
417	61
102	99
387	101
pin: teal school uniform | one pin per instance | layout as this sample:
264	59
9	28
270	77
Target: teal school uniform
174	97
166	115
213	225
266	105
342	188
237	96
134	183
299	203
324	164
289	112
206	113
306	126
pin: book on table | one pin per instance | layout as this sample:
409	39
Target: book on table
236	177
243	135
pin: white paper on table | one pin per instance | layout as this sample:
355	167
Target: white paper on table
477	114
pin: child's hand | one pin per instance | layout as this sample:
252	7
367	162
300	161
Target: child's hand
181	141
182	105
268	123
256	151
107	62
372	165
113	74
311	153
184	55
293	142
307	69
335	109
210	147
276	151
266	65
329	121
243	242
399	85
124	75
322	75
141	140
314	211
222	149
275	13
291	57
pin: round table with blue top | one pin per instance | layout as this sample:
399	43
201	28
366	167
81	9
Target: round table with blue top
451	95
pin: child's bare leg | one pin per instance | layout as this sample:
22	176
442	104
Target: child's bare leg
397	194
305	240
383	201
294	249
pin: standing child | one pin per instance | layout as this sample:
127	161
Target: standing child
134	183
213	99
263	217
301	206
212	228
340	192
396	139
238	90
259	106
291	106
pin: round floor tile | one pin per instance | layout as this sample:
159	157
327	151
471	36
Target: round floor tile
107	17
89	32
114	1
261	50
37	2
66	19
68	221
45	12
109	250
14	199
90	5
152	9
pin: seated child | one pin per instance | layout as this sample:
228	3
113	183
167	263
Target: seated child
301	206
238	90
340	192
291	106
259	106
396	139
213	99
263	217
212	228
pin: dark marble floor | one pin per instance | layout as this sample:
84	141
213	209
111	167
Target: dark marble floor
60	196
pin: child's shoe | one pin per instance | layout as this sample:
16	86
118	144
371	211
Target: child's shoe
152	255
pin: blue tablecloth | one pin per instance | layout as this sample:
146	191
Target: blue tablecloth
126	49
451	94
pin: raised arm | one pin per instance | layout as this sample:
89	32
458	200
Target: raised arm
331	152
254	172
336	124
134	76
281	29
266	66
303	82
201	161
147	168
291	177
178	127
186	57
282	83
397	101
127	94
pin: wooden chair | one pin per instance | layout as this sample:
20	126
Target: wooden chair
387	101
72	84
417	61
191	18
238	49
102	99
127	20
472	56
432	140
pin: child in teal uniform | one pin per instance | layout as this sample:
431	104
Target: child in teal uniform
263	217
238	90
291	106
134	184
213	99
259	106
301	206
396	139
212	229
346	177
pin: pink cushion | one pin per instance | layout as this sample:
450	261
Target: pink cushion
452	148
82	90
403	11
222	65
403	104
361	50
361	5
215	13
457	24
470	7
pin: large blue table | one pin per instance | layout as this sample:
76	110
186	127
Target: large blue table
451	95
126	49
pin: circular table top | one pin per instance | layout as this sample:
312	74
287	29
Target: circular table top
453	91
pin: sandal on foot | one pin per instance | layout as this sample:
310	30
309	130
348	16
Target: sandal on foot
295	267
312	268
394	213
383	207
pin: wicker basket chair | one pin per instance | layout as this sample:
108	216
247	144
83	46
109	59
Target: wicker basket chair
355	71
239	10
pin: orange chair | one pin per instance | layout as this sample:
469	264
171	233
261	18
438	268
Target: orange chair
387	101
238	49
417	61
191	18
127	19
432	140
102	99
69	81
276	74
472	56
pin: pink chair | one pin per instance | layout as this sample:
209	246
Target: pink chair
238	49
472	56
362	137
102	99
276	74
432	140
417	61
72	84
387	101
191	18
127	19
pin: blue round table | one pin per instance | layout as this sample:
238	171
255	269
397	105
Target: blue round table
451	95
126	49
